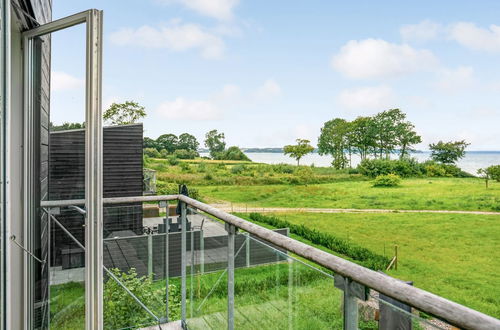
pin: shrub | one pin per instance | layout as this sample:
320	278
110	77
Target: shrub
238	169
435	170
364	256
283	168
494	172
185	154
185	167
387	180
172	160
122	311
403	167
166	188
164	153
232	153
151	152
202	167
304	174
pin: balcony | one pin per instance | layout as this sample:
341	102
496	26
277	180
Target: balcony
214	270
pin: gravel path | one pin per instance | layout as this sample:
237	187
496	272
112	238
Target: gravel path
228	207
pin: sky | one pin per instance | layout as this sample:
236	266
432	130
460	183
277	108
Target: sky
266	72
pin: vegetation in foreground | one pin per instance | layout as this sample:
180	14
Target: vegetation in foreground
453	255
262	300
412	194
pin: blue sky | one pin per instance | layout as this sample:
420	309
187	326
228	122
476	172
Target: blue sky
268	72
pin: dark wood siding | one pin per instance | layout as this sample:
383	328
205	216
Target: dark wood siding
122	176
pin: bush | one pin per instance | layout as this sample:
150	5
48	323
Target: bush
283	168
304	174
435	170
202	167
186	154
364	256
232	153
404	167
238	169
122	311
185	167
387	180
494	172
172	160
151	152
166	188
164	153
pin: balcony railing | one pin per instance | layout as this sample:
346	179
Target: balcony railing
253	277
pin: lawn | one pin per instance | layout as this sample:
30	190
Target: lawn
456	256
413	194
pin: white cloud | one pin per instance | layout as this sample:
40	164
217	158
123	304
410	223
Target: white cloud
423	31
376	58
456	80
219	9
369	98
61	81
176	37
184	109
476	38
269	89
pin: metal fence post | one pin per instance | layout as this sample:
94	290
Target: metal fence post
231	231
247	249
353	292
165	225
192	275
150	254
183	263
202	252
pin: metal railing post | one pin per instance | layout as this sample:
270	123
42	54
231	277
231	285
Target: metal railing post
231	232
353	292
165	223
183	263
191	282
202	252
247	249
150	254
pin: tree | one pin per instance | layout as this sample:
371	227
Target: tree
214	141
407	137
124	113
168	142
149	143
66	126
485	174
448	152
187	142
362	137
494	171
298	150
333	140
386	124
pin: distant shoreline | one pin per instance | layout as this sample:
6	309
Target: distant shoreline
280	151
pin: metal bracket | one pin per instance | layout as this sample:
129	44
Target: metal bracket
231	229
355	289
13	239
162	204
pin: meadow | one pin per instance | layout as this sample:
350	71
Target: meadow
413	194
453	255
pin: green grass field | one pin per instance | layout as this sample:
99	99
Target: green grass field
453	255
413	194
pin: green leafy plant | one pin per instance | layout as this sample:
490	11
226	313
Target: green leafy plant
172	160
387	180
122	311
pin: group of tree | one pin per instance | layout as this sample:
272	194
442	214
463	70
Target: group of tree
184	146
216	144
377	136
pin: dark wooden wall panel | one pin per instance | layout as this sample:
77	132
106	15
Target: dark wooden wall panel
122	176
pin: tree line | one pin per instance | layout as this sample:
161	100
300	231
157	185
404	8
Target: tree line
377	136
